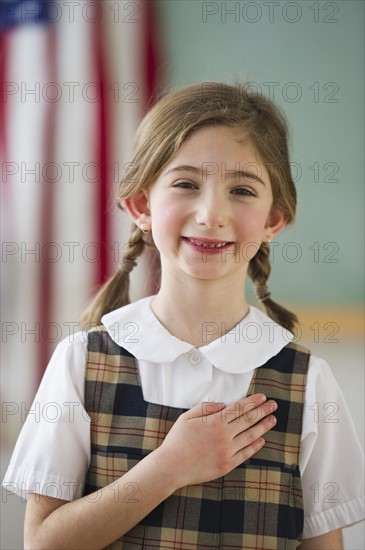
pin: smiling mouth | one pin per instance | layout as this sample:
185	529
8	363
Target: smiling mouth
206	243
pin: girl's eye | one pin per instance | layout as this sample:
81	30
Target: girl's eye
185	185
243	191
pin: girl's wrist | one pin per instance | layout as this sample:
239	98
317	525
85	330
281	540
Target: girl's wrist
167	468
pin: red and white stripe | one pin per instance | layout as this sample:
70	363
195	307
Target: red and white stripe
81	145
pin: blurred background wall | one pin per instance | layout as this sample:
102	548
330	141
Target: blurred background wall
77	78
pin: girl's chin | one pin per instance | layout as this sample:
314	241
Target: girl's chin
210	271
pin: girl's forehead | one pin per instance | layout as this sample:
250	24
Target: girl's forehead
217	149
220	141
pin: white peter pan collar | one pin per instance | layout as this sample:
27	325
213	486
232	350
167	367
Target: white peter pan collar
250	344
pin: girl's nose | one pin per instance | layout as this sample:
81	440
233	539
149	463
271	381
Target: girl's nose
211	212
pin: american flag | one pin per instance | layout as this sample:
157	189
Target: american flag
77	77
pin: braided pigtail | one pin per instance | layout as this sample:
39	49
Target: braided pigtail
115	292
259	270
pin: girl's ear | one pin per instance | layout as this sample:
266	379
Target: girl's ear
138	207
275	223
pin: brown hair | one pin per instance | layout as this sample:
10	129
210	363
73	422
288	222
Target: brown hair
158	138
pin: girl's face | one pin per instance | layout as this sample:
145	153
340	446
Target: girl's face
210	207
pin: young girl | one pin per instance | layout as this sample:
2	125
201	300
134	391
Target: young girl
181	427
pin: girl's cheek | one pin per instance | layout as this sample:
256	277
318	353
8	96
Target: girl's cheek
252	225
167	218
166	211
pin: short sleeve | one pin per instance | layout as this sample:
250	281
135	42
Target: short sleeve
331	461
52	453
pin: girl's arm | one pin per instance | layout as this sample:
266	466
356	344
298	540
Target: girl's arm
332	540
205	443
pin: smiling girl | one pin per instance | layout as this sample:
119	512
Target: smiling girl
173	442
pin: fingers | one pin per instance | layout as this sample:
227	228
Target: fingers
204	409
248	442
247	437
249	421
248	410
237	409
253	415
244	454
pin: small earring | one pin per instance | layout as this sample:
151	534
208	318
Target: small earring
143	228
266	243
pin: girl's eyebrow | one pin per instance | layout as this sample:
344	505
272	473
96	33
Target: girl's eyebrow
183	168
236	174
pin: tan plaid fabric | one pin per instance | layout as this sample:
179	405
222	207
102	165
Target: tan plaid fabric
256	506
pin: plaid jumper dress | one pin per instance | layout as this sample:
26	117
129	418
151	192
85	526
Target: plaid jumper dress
256	506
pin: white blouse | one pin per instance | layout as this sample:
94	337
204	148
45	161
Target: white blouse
52	454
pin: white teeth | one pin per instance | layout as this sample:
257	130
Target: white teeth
208	245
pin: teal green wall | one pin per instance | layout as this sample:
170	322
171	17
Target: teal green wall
325	45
